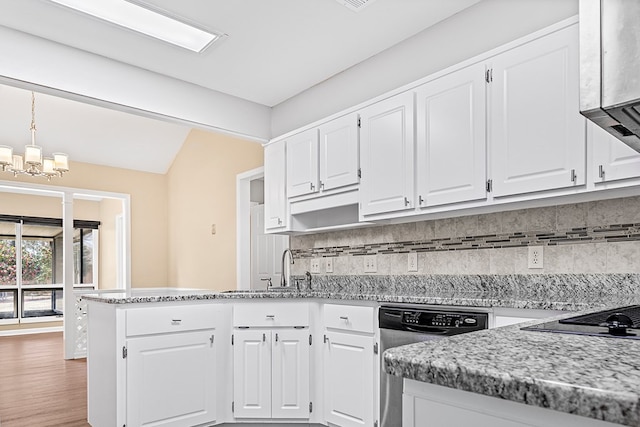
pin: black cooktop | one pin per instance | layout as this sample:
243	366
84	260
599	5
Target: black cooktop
622	322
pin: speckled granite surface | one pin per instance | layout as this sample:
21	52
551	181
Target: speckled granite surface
552	292
588	376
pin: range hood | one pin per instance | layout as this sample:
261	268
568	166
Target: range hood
610	67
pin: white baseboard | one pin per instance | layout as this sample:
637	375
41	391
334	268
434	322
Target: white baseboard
28	331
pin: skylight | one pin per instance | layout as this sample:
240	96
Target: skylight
145	21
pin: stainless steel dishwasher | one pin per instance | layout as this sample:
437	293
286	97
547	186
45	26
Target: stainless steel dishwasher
409	324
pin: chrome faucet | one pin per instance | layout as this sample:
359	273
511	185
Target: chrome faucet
283	279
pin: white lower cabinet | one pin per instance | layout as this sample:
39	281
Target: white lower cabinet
171	379
429	405
271	361
271	373
251	374
158	364
349	380
350	370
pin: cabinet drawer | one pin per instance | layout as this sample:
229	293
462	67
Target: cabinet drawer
271	314
159	320
349	318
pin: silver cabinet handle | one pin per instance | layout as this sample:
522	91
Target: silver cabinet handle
600	171
574	177
313	187
264	337
345	318
420	200
276	337
321	185
406	202
271	316
176	321
279	221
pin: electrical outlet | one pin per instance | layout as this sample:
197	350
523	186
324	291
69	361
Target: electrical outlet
329	265
315	265
536	258
370	264
412	261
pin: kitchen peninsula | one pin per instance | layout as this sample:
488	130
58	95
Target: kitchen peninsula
196	344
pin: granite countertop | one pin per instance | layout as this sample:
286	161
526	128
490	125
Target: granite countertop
589	376
462	298
570	292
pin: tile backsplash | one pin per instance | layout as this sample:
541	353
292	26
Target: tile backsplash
592	237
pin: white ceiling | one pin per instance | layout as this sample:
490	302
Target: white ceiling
275	49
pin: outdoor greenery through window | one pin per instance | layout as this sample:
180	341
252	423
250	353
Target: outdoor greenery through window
31	265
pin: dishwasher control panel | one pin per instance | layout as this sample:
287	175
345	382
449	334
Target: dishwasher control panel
425	320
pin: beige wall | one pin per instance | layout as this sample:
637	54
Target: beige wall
202	192
148	193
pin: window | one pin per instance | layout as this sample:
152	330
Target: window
31	277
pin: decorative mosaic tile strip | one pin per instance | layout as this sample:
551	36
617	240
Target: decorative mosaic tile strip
611	233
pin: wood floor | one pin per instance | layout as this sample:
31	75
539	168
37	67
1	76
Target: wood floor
37	386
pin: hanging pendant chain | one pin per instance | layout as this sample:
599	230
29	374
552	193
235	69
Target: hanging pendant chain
33	119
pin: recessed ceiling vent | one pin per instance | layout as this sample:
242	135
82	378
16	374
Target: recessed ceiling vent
356	5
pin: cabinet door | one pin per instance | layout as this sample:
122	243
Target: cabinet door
339	152
537	134
387	154
275	200
451	142
290	373
252	373
302	163
349	380
612	158
171	379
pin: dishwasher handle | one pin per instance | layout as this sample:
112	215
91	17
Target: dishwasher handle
427	330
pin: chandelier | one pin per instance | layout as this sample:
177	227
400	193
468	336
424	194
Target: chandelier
32	163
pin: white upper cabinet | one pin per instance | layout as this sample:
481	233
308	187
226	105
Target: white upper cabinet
451	138
323	158
387	155
536	133
275	198
612	159
339	162
302	163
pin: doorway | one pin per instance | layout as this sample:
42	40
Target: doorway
258	254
